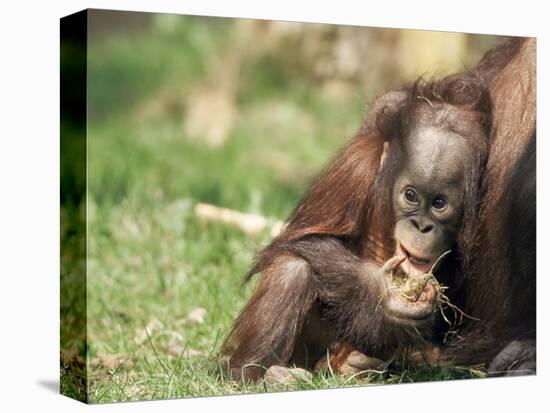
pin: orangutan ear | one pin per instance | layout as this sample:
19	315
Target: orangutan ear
385	150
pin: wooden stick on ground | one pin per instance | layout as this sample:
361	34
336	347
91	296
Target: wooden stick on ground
251	224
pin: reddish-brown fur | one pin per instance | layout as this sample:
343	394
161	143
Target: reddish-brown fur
500	283
344	221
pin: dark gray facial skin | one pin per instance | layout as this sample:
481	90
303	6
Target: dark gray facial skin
427	196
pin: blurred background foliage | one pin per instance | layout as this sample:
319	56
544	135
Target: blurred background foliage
238	113
278	97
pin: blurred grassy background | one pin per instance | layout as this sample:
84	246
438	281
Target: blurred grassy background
238	113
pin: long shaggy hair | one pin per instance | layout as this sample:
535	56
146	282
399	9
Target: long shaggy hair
352	198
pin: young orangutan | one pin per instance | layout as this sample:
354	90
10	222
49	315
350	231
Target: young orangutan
401	194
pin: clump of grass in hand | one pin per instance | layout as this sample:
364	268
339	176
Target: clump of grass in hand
411	286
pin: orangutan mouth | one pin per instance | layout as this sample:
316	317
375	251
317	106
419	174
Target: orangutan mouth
414	262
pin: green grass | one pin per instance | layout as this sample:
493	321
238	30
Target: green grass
150	262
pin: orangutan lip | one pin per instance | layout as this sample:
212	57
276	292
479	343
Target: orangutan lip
415	260
418	261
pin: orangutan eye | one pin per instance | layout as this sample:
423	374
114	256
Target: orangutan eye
439	202
411	196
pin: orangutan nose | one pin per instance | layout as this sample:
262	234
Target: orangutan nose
422	224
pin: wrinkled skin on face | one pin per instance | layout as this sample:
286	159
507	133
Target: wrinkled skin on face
427	199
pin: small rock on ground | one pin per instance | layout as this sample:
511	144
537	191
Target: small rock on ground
279	375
